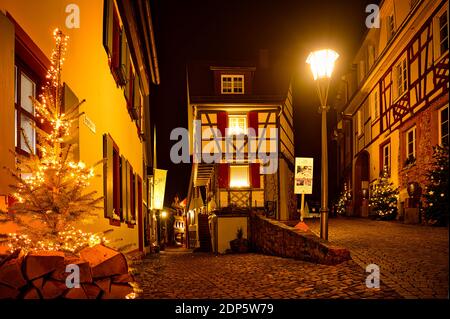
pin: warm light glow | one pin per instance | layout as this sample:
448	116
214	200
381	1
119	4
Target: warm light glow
239	176
163	214
322	63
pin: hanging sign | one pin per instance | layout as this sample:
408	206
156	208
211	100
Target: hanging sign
303	180
159	187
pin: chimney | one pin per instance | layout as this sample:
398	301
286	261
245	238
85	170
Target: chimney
263	58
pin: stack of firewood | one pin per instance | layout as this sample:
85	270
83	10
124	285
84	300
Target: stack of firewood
42	275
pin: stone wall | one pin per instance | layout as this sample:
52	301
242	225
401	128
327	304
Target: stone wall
275	238
426	123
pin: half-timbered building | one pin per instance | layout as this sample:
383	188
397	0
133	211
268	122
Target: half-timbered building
242	113
394	103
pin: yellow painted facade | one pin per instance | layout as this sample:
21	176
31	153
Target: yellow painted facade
88	75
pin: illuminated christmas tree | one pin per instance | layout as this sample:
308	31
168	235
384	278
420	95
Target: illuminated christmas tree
345	196
436	192
383	197
50	189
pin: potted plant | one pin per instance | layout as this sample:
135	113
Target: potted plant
240	244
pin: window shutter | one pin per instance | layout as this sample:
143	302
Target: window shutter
116	183
224	175
108	9
222	122
254	175
130	90
136	197
70	100
124	56
252	118
115	58
131	192
135	110
123	185
108	171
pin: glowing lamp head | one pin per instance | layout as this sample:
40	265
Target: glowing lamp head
164	214
322	63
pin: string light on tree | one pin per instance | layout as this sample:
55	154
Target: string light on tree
384	197
50	189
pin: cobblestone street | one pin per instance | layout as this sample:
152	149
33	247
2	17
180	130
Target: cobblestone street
250	276
413	259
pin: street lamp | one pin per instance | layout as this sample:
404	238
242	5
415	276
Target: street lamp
322	65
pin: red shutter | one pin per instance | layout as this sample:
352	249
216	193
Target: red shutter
115	59
224	175
254	173
222	122
252	118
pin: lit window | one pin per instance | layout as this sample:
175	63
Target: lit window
239	176
237	124
401	71
24	88
232	84
411	143
443	125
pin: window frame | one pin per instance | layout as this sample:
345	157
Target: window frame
440	124
233	86
383	146
408	142
390	27
401	78
239	117
21	68
375	104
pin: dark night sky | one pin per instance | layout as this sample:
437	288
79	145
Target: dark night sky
188	30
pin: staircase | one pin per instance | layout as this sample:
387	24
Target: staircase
203	233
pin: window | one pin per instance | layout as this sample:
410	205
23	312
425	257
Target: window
232	84
401	72
374	104
390	27
237	124
443	32
386	157
411	143
359	122
114	41
24	88
443	125
239	176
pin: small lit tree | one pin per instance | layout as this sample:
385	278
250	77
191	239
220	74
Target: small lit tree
436	192
50	186
383	197
345	196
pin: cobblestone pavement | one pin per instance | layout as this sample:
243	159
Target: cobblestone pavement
175	275
413	259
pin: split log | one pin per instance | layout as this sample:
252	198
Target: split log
53	289
105	262
38	283
32	293
104	284
11	273
38	264
76	293
118	291
60	273
7	292
91	291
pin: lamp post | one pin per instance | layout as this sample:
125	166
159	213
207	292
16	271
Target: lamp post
322	65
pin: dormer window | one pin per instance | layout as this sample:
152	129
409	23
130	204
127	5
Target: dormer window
232	84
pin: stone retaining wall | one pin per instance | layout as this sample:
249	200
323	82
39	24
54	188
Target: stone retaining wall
275	238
